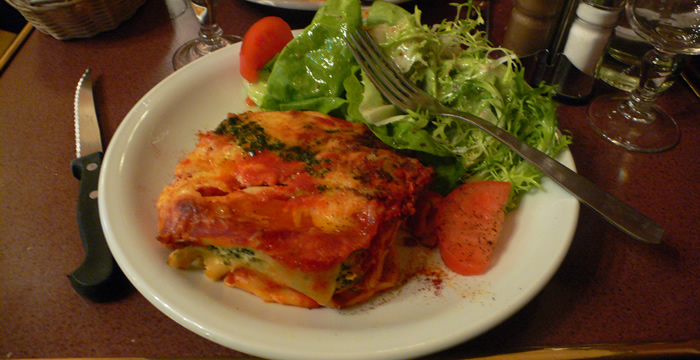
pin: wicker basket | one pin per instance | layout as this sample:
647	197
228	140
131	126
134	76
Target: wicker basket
76	18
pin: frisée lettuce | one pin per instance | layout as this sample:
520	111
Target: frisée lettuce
452	61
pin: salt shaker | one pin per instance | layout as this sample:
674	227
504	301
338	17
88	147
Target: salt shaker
587	37
590	32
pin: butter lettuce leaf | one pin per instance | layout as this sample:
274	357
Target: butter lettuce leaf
308	73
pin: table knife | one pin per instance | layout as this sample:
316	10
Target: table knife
98	278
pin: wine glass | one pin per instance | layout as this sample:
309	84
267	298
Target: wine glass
634	121
210	38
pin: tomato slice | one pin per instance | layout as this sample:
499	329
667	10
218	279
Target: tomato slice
469	222
265	39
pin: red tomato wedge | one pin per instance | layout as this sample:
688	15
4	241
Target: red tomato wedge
469	221
265	39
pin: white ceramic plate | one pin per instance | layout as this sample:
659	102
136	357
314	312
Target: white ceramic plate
416	319
303	4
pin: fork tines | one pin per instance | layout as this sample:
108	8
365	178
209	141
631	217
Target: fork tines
383	73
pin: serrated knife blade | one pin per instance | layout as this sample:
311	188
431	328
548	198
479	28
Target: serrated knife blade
98	278
87	129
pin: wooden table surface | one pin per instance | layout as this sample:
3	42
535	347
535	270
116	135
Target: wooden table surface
609	289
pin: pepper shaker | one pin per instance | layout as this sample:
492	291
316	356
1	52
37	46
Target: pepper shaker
531	26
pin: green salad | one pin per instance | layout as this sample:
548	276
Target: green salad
453	61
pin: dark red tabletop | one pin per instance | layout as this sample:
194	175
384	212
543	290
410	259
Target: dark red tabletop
609	289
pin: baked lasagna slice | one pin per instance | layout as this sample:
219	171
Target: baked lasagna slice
299	208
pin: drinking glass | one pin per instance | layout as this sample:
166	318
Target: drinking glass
634	121
210	38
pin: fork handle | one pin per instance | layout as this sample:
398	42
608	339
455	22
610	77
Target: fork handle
618	213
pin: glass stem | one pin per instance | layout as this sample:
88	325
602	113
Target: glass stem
209	32
657	66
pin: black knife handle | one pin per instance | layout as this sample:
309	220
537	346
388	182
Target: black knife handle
98	278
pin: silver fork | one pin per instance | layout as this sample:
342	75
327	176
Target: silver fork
408	97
